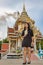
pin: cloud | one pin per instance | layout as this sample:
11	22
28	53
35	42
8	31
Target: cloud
17	4
10	21
3	29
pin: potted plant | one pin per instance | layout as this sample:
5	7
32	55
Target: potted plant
18	50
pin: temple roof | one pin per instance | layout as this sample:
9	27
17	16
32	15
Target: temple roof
24	16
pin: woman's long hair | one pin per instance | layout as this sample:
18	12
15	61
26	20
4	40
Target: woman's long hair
28	26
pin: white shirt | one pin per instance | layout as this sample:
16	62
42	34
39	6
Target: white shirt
26	32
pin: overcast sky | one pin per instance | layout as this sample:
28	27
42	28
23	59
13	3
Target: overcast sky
34	9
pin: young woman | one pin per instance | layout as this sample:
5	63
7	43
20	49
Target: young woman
27	34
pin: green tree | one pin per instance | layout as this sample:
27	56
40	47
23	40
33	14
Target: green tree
5	40
0	44
41	43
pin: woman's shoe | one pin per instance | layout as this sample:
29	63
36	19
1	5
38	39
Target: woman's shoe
24	63
29	62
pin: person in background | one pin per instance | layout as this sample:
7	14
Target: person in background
28	39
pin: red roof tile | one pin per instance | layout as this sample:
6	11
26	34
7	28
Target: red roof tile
10	30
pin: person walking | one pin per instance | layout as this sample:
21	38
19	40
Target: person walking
27	35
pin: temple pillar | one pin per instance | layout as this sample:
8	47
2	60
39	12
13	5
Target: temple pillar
9	46
16	44
19	42
34	44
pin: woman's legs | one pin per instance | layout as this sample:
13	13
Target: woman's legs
24	53
29	54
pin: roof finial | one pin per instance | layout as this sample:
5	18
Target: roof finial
24	10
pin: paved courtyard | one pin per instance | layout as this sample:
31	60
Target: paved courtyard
18	62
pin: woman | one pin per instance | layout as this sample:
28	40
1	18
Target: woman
27	34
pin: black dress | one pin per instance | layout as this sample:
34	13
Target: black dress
27	39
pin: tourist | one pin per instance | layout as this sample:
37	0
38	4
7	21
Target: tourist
28	39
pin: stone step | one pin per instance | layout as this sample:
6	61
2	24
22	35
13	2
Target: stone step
16	56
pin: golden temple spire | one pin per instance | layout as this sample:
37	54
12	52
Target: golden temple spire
24	10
